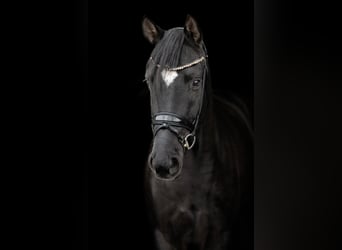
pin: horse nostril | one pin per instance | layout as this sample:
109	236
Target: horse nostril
162	171
175	162
165	169
173	170
175	166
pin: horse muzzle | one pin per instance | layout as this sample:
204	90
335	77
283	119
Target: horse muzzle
166	158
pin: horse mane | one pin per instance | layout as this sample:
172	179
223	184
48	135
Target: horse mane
234	105
232	139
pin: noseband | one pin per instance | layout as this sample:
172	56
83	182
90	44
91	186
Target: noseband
171	121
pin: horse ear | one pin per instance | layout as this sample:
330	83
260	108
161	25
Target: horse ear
192	29
153	33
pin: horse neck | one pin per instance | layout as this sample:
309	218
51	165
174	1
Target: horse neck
207	121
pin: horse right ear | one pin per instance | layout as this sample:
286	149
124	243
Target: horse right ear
153	33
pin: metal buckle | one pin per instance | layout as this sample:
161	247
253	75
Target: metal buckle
188	145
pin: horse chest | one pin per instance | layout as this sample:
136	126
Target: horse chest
182	202
184	208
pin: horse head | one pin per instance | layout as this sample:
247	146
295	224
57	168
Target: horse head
176	76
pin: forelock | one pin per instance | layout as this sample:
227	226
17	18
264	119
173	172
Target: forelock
167	51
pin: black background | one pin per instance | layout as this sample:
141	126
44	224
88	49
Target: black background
297	106
78	140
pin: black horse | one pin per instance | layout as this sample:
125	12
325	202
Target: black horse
198	175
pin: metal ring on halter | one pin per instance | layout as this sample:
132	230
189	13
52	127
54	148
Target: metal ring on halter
188	145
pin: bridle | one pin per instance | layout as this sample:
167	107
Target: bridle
171	121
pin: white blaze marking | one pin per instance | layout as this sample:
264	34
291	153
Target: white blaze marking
168	76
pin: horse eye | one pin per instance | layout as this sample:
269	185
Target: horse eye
196	83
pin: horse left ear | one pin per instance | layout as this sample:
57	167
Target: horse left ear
153	33
192	29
